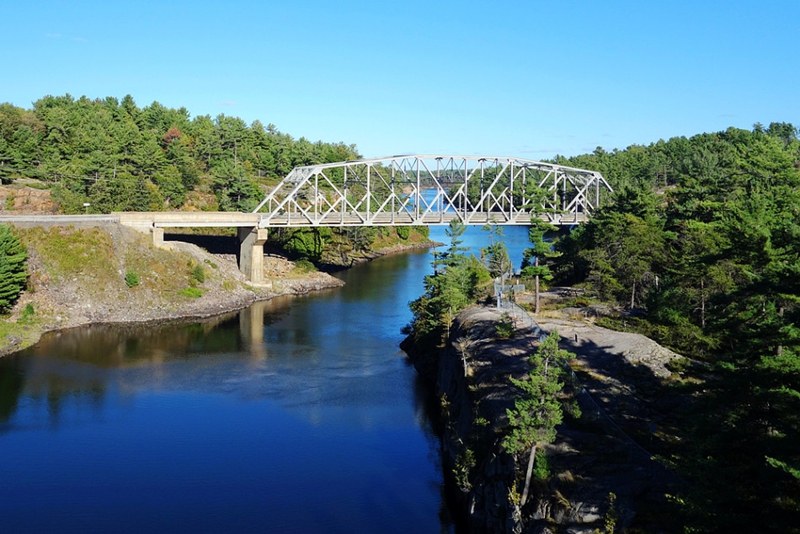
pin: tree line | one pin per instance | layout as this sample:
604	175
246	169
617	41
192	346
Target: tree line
702	244
115	155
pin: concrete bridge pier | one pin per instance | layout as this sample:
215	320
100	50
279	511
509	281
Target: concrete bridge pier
251	253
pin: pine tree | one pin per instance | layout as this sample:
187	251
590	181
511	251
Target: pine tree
541	250
13	267
538	410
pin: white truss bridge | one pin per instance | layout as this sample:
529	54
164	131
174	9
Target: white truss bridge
432	190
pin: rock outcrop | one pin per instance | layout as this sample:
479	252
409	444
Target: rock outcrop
598	474
26	200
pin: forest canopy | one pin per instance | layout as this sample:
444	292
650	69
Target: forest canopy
117	156
702	244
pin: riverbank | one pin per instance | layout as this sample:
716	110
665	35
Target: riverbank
107	273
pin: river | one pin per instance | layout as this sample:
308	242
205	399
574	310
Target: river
295	415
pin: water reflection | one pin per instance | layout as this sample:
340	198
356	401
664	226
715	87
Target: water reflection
295	415
299	410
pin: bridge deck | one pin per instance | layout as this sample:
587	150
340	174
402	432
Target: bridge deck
182	219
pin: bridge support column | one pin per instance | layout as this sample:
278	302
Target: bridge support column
251	253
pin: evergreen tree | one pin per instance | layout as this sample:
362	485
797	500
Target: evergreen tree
541	250
454	284
13	267
537	411
496	254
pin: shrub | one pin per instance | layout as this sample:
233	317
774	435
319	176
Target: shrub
541	467
424	231
403	231
131	278
505	327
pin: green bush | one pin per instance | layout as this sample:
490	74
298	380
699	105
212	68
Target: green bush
191	292
578	302
541	467
13	267
424	231
403	231
131	278
505	327
304	243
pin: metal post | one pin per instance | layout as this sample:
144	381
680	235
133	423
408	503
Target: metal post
465	196
596	192
394	209
481	193
344	196
419	193
439	190
511	192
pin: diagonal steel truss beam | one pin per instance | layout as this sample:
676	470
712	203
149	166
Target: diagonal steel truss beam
432	189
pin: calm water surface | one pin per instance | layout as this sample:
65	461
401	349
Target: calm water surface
295	415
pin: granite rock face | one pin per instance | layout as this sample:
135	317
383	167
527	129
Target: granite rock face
26	201
596	470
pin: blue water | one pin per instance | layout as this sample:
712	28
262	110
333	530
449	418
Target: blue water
296	415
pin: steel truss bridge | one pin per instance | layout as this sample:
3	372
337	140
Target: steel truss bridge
432	190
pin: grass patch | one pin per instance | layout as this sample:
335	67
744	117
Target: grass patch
304	266
198	274
131	278
69	252
26	315
19	334
191	292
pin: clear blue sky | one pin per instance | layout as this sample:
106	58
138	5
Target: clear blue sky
517	78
